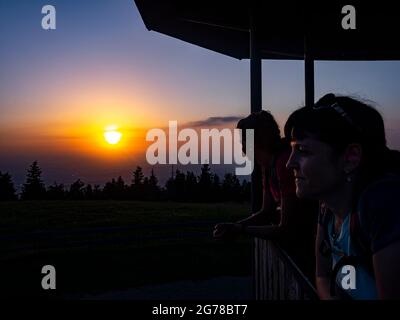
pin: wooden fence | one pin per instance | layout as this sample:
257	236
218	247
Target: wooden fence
276	276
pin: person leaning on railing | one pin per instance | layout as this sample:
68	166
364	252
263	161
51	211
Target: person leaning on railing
282	216
339	157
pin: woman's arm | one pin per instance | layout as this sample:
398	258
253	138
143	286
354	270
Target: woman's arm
260	217
380	220
386	264
231	230
288	208
323	268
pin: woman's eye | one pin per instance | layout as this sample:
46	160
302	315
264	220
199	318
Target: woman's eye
301	149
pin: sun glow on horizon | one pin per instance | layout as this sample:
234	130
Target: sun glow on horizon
111	134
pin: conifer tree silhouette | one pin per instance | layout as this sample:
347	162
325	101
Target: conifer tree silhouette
7	189
33	188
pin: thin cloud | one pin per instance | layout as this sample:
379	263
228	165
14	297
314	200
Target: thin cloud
214	121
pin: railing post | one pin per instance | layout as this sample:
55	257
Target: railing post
308	72
255	106
280	277
255	102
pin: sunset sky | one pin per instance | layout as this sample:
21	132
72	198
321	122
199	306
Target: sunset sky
60	89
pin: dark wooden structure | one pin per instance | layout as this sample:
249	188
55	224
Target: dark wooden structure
276	276
279	30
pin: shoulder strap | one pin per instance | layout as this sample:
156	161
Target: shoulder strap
324	217
357	236
361	242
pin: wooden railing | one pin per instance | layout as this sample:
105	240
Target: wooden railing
276	276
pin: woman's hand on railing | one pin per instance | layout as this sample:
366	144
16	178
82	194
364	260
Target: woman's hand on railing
225	231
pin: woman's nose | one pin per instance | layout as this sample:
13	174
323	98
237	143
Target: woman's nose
291	163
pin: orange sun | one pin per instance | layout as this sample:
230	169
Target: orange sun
112	135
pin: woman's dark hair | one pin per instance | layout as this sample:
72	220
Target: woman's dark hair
266	130
339	121
290	124
342	120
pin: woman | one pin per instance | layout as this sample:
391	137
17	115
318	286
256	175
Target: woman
281	216
339	157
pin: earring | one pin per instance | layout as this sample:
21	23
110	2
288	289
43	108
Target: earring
348	179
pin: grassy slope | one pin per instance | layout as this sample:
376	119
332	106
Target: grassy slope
153	254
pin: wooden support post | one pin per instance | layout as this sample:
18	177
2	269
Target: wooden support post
308	73
255	102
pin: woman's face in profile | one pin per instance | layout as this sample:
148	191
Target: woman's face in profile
318	172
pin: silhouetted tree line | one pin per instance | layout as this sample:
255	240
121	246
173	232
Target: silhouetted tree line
207	187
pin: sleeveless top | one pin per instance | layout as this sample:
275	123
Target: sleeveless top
341	245
378	216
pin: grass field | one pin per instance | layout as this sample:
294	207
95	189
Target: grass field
99	246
